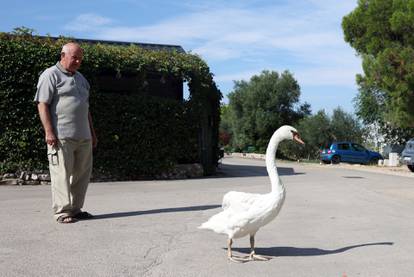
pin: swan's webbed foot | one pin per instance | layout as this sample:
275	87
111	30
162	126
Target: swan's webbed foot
238	259
254	257
231	257
249	258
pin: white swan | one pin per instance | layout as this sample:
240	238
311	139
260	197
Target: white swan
244	213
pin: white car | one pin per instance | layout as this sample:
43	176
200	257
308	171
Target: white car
407	155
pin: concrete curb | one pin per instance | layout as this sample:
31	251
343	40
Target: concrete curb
401	170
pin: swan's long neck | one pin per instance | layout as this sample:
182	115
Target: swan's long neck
277	185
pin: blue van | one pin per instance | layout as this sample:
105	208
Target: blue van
349	152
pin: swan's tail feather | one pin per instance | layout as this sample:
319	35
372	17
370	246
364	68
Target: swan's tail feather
216	223
204	226
210	224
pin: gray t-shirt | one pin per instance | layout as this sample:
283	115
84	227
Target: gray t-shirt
68	98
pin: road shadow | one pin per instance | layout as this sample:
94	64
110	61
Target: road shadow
156	211
302	252
353	177
233	170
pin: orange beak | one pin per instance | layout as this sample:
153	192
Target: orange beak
297	138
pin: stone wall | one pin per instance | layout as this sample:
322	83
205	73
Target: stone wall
180	171
26	178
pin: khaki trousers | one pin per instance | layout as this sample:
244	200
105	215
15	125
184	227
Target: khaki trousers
70	166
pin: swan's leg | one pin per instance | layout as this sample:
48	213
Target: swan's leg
229	243
230	255
253	256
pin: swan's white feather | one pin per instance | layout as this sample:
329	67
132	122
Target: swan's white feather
244	213
240	201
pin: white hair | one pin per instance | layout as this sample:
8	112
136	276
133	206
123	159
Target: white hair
65	49
68	47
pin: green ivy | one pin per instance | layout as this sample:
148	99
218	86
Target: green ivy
138	135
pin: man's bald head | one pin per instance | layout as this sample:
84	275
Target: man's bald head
71	56
70	47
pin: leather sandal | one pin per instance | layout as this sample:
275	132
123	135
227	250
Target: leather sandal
66	219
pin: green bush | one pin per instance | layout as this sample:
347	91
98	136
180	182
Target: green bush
142	136
138	135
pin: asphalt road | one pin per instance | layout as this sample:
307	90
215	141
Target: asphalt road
335	222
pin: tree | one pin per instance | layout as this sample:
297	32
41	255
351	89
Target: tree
382	33
369	105
320	130
315	132
23	31
258	107
345	127
225	133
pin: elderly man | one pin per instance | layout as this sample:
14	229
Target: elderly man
63	102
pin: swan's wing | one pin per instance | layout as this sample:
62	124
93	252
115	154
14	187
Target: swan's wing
225	222
242	213
240	201
240	210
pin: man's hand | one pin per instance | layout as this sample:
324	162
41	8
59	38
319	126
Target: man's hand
51	138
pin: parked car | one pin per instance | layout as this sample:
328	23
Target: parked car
350	152
407	155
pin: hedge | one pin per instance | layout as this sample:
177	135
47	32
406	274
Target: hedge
138	135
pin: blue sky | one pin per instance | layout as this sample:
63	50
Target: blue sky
238	39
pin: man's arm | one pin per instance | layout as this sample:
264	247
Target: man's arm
45	118
94	138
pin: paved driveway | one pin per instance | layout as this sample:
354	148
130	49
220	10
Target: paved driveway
335	222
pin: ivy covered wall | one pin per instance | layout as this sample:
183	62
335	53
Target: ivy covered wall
138	135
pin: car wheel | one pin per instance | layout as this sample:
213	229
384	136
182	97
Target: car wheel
411	167
374	161
336	159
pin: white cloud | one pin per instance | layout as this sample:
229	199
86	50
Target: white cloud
213	51
335	75
245	76
87	22
227	33
303	36
194	28
328	76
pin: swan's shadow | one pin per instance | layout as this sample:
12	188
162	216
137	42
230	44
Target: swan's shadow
156	211
235	170
284	251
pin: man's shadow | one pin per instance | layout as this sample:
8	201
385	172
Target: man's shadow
156	211
285	251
